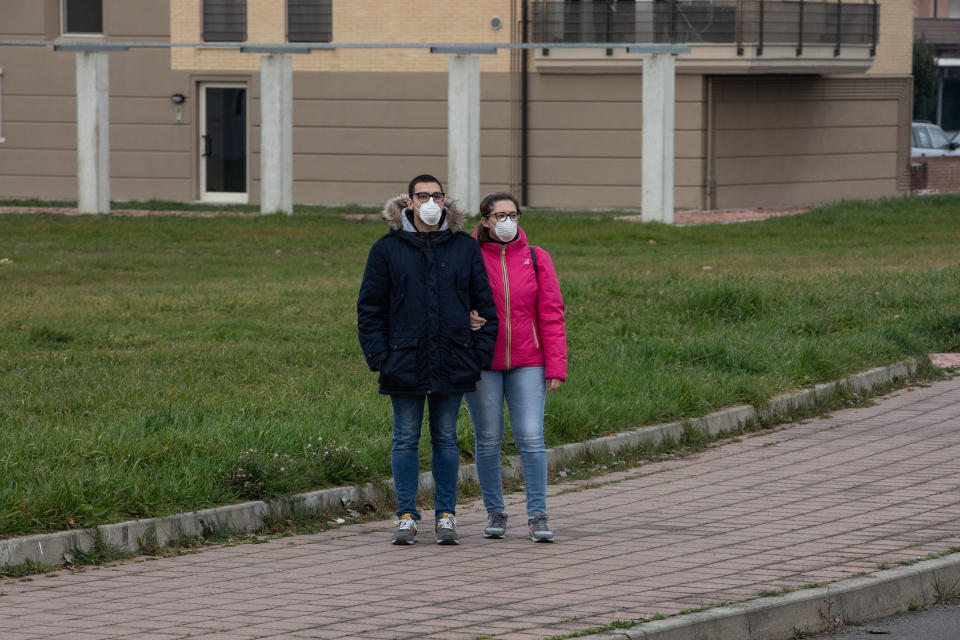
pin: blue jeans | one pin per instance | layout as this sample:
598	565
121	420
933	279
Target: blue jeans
405	458
525	391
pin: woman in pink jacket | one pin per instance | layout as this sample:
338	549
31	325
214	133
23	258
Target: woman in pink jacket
530	359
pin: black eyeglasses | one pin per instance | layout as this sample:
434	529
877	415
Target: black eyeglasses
513	215
423	196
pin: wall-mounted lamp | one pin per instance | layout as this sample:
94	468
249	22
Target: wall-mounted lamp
496	23
178	98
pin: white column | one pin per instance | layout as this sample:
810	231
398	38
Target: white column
463	131
276	134
658	105
93	132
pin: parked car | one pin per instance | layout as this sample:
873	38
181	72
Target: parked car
928	139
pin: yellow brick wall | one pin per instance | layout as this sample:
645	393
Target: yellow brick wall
354	21
895	42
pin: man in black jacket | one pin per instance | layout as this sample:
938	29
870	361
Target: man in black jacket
413	314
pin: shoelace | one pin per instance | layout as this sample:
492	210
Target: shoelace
446	522
407	523
498	519
538	521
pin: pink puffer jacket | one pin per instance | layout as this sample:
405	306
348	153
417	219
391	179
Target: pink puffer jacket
529	306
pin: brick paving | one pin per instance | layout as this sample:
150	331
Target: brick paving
815	501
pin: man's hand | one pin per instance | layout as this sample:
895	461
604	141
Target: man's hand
476	322
553	384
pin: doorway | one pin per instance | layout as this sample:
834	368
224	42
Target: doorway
223	143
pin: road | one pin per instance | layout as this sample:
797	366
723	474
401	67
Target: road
941	622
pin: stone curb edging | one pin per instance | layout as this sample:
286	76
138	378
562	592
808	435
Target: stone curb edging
55	548
851	601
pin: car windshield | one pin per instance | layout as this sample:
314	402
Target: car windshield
940	140
923	137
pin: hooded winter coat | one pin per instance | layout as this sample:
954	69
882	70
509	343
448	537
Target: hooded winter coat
413	310
529	308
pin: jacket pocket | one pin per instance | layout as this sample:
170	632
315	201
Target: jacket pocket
464	368
462	293
536	339
398	294
401	369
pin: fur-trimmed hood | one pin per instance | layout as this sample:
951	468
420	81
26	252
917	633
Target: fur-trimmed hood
394	207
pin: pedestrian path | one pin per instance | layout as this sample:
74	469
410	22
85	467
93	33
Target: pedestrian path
820	500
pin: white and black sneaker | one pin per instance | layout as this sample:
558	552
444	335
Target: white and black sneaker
496	525
407	529
447	529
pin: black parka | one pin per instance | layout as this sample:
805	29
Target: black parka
413	311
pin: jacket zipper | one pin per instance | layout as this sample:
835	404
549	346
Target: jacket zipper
506	295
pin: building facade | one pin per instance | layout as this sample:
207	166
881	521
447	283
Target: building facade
781	102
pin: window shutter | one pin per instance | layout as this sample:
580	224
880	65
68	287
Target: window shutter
309	20
224	20
83	16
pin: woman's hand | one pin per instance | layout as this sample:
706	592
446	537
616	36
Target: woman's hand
553	384
476	322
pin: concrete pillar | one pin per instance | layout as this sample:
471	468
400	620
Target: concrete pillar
93	132
276	134
463	131
658	105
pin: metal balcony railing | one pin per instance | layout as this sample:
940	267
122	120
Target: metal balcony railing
739	22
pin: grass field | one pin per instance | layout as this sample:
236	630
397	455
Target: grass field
154	365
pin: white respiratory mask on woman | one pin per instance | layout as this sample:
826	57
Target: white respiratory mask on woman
506	229
430	212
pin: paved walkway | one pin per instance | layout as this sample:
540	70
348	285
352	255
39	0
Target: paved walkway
816	501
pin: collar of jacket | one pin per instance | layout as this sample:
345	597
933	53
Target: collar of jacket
393	213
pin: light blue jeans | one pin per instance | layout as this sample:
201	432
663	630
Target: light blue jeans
525	391
405	458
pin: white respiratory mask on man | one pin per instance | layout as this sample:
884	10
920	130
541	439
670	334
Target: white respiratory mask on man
430	212
506	229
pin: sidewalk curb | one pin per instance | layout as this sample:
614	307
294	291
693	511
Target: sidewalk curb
50	548
851	601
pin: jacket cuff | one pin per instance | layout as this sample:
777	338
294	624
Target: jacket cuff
374	360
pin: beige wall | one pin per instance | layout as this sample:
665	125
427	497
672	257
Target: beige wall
585	141
895	40
356	21
151	156
786	141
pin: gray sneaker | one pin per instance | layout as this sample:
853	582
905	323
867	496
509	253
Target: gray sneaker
496	525
539	529
407	529
447	530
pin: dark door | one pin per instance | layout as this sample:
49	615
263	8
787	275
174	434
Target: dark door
225	140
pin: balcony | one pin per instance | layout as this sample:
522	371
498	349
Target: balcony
726	36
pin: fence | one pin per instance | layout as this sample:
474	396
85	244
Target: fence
740	22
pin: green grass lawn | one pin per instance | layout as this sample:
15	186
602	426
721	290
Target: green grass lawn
142	359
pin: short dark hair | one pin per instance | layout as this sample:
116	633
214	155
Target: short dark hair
486	206
424	177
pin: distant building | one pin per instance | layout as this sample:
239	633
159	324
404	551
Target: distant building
781	102
938	22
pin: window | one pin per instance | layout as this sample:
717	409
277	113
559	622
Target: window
224	20
82	17
309	20
939	139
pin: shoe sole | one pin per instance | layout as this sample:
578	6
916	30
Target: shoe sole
407	542
448	542
495	536
535	539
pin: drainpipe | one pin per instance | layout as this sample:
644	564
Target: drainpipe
524	105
